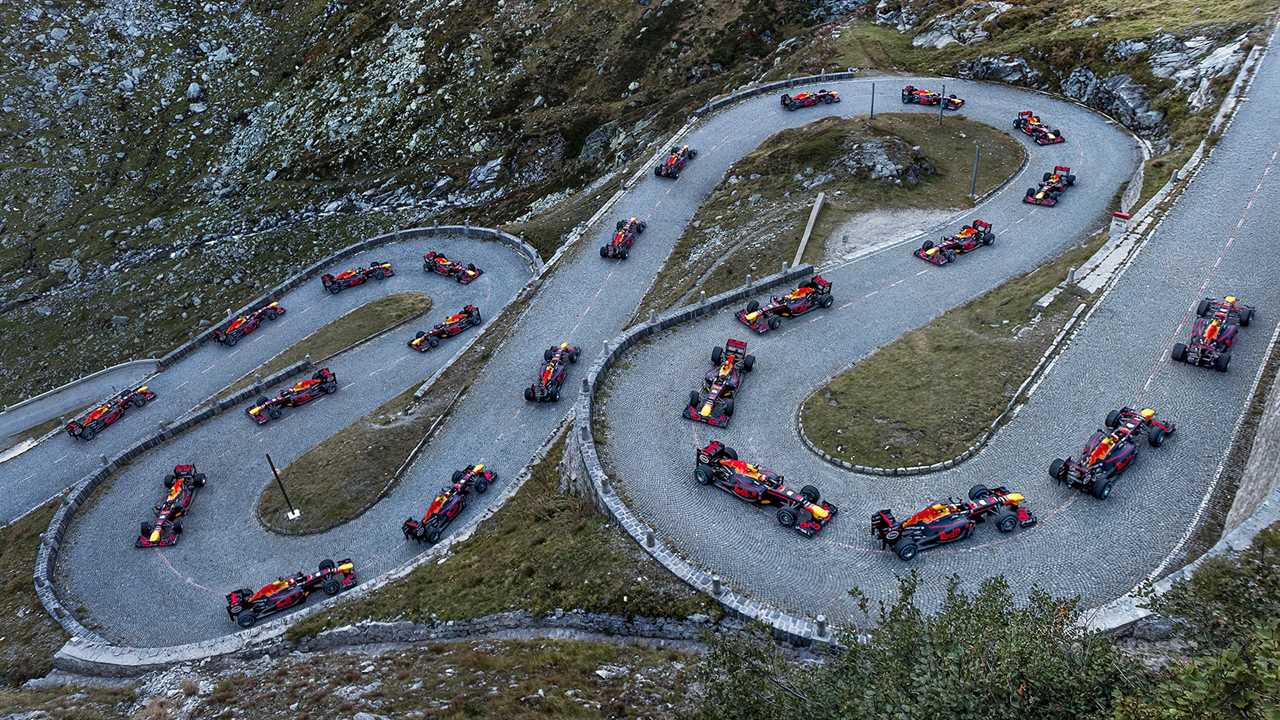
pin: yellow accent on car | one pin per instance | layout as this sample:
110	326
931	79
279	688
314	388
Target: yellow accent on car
706	410
155	535
478	468
753	315
818	512
1014	498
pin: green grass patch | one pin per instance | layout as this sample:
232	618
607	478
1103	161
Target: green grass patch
542	551
68	703
30	637
887	410
753	221
358	326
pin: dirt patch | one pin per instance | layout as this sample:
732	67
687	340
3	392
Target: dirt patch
865	232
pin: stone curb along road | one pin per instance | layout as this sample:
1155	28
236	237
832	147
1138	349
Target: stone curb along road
1212	242
186	585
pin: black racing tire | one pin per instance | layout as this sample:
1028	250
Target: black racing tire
717	355
988	238
246	619
1058	469
692	153
950	255
328	564
482	485
1156	437
431	535
1102	489
230	340
620	224
826	301
730	453
1071	180
1179	352
177	528
274	412
926	245
379	274
604	251
728	407
753	306
786	517
1246	316
978	492
200	479
1203	308
573	357
774	323
546	354
1113	419
907	551
331	587
457	475
702	475
433	341
528	393
1046	177
811	494
475	317
87	433
748	363
272	314
335	288
146	528
1006	521
693	398
1221	362
1031	192
137	401
329	388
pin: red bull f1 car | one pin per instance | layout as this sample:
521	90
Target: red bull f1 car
448	504
1109	452
246	607
245	324
555	371
970	238
675	162
322	382
1051	187
714	405
803	511
912	95
452	325
809	99
623	238
437	263
356	276
167	526
1029	123
91	423
813	293
951	521
1213	333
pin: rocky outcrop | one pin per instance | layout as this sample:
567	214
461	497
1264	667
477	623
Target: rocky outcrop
828	10
1194	63
1118	95
888	159
1004	68
966	27
901	15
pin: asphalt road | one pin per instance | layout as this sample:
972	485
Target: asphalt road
1215	241
176	595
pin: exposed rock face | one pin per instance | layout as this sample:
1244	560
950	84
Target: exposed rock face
1194	63
899	14
1004	68
965	27
1120	96
828	10
889	159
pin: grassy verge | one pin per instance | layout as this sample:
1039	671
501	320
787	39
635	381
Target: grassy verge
752	222
886	410
30	636
360	325
39	430
66	703
542	551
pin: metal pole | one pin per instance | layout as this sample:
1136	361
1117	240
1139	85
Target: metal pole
973	182
873	101
942	104
294	513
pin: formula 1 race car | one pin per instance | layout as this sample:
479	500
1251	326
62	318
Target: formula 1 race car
675	162
165	529
1051	187
246	607
245	324
1109	453
803	511
437	263
1030	125
714	405
809	99
356	276
912	95
623	238
91	423
452	325
1213	333
446	505
970	238
554	372
813	293
322	382
953	520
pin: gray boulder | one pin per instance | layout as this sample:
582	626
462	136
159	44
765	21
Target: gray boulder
898	14
966	27
1120	96
1004	68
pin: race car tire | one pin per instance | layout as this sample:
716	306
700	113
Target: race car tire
786	517
328	564
272	314
728	407
419	334
1102	489
1246	316
717	355
811	494
774	323
950	255
546	354
1006	521
988	238
335	288
604	251
146	528
693	398
1203	308
730	453
620	224
87	433
475	317
230	340
657	172
642	226
177	528
692	153
623	254
702	476
907	551
1113	419
1071	180
1156	437
828	99
379	274
457	475
200	479
826	301
748	363
246	620
137	401
1031	192
926	245
331	587
431	535
573	356
978	492
1058	469
482	485
432	340
1046	177
274	412
528	393
1179	352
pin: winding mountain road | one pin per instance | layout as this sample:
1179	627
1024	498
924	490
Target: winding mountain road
175	595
